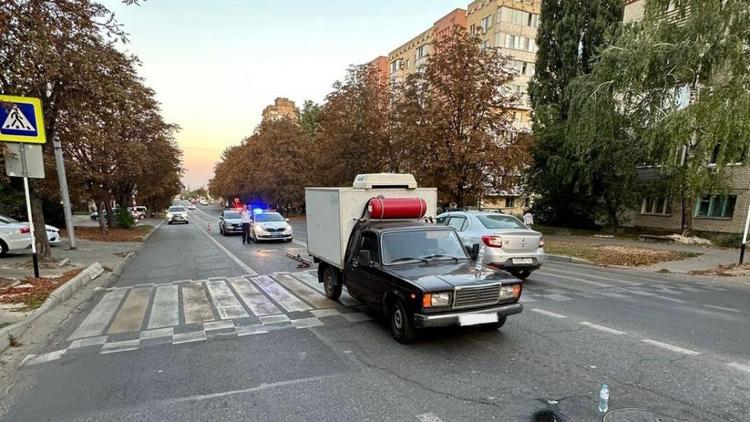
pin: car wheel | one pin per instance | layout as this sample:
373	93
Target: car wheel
253	236
3	248
495	325
169	222
522	274
402	328
331	282
221	231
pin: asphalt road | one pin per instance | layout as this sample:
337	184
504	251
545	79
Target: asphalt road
200	327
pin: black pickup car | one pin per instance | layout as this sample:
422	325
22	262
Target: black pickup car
419	275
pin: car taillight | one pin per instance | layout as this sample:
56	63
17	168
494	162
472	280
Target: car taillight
541	241
493	241
24	230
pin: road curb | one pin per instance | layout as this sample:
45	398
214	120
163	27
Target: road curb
60	294
568	259
68	289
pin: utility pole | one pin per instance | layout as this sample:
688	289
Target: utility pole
744	235
62	177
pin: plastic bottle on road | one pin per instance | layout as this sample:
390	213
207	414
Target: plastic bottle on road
604	398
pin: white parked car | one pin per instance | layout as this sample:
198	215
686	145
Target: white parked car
177	214
508	243
138	212
14	237
191	207
53	233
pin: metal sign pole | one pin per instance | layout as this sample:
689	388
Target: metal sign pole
34	257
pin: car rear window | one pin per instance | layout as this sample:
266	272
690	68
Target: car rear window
176	209
498	222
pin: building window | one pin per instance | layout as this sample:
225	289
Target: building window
716	206
518	42
422	51
485	44
519	17
533	20
486	23
656	205
510	202
396	65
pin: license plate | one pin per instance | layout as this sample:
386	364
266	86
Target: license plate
522	261
474	319
277	235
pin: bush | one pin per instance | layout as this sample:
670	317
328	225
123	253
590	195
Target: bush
123	219
728	240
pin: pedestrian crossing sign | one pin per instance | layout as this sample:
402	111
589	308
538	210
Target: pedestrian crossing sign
21	120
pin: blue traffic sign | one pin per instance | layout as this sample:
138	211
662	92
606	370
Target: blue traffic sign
21	120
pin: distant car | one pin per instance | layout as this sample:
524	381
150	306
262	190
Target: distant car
177	214
204	202
230	222
53	233
138	212
508	243
192	207
95	215
270	226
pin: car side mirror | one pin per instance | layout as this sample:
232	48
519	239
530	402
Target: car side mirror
474	252
364	258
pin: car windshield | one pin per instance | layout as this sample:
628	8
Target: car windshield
7	220
267	217
176	209
499	222
232	215
414	245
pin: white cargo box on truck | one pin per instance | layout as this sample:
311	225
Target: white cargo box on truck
333	212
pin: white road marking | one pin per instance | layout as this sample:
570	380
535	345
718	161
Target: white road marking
218	325
91	341
130	316
670	347
739	366
120	346
274	319
255	300
231	256
304	292
248	330
165	312
188	337
603	328
548	313
287	300
669	299
428	417
722	308
158	333
559	274
44	357
195	304
325	312
306	322
98	319
226	303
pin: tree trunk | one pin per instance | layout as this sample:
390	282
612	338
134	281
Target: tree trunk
100	211
612	213
687	215
110	215
43	250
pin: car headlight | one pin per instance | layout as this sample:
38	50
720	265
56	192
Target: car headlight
432	300
169	215
511	290
288	228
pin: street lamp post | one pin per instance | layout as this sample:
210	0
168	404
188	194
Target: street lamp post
744	235
62	177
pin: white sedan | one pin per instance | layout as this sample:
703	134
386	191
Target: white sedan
53	233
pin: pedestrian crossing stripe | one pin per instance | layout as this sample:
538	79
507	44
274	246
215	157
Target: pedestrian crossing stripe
21	120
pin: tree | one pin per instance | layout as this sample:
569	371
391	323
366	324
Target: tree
568	40
309	118
451	121
680	86
354	131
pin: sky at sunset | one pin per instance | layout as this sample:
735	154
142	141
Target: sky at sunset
215	64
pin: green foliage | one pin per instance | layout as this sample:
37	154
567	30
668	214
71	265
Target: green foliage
309	118
572	177
124	219
675	87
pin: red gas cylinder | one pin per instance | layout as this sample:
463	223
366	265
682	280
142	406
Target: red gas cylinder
385	208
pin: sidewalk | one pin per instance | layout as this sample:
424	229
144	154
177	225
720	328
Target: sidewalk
710	257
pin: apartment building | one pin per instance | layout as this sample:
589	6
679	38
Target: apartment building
380	64
407	58
280	109
723	212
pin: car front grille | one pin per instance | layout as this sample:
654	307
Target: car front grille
476	296
274	230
